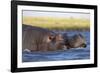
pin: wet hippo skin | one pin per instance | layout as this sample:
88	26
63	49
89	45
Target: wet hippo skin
41	39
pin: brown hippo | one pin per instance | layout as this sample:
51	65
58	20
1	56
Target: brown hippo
41	39
75	41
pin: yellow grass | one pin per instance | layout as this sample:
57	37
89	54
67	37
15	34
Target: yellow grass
58	23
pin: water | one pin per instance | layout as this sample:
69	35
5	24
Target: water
72	54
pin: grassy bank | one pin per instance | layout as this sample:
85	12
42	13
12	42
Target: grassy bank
58	23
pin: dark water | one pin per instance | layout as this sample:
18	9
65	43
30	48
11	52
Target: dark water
72	54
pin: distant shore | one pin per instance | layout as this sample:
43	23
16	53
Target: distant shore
69	24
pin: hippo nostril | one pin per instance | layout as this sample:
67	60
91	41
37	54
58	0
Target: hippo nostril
84	45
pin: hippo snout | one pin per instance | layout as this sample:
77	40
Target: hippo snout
75	41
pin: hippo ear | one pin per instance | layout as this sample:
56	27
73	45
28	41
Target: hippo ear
52	37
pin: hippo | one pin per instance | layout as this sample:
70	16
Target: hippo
75	41
41	39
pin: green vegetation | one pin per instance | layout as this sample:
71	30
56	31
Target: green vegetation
58	23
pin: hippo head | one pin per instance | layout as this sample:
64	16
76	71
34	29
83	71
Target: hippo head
75	41
58	41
